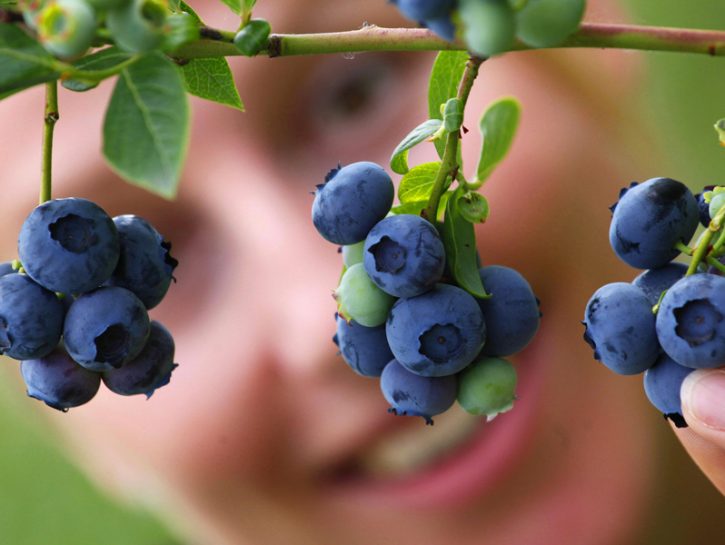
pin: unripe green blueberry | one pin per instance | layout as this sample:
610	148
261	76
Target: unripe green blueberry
353	253
138	26
717	201
66	27
487	386
107	4
359	299
252	39
31	9
489	26
546	23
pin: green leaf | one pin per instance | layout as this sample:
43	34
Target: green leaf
447	71
101	60
417	184
186	8
416	207
234	5
498	127
399	159
146	129
473	207
459	240
212	79
23	61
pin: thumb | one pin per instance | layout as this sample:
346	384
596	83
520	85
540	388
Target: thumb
703	406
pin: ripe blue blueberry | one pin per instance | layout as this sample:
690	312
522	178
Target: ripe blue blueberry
662	383
351	201
106	328
59	381
620	327
69	245
365	349
654	281
145	265
31	318
420	10
404	255
413	395
511	314
650	219
148	371
6	268
704	207
487	387
442	27
437	333
691	321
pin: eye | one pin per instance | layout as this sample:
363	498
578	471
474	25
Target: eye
349	105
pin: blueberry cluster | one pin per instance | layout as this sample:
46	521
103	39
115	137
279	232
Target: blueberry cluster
492	26
74	309
67	28
666	323
401	318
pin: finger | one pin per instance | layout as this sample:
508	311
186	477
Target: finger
703	406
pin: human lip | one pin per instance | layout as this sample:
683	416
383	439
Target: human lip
467	459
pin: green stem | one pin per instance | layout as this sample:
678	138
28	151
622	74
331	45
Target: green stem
449	161
373	38
51	117
703	245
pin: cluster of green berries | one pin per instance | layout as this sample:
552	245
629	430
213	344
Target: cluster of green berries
67	28
74	307
489	27
400	315
669	320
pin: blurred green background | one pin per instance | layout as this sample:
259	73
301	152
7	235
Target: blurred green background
44	500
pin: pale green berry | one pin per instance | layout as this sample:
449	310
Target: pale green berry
487	387
360	300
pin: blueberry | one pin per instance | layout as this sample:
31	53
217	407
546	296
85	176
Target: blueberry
6	268
437	333
365	349
66	28
662	385
620	327
145	265
359	299
413	395
703	207
68	245
511	314
489	26
442	27
137	26
487	387
351	201
31	318
649	219
654	281
690	323
58	381
717	201
148	371
546	23
353	253
253	37
106	328
404	255
420	10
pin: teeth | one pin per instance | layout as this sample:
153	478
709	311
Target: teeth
406	451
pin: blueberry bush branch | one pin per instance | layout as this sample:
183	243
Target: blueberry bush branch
50	119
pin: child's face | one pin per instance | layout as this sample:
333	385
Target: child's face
264	434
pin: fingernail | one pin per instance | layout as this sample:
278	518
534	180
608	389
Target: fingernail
703	392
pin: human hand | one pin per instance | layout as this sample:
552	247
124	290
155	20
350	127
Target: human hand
703	406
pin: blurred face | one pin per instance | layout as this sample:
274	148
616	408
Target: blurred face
264	434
